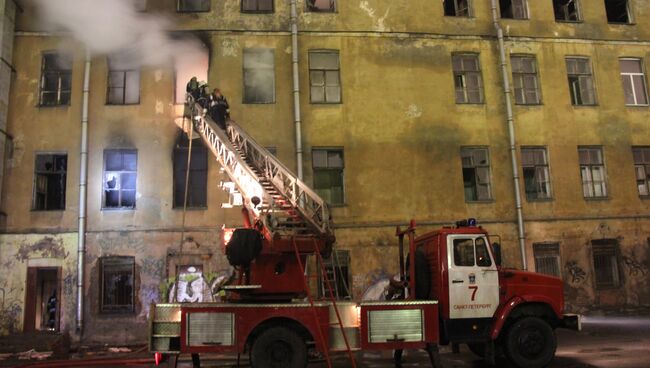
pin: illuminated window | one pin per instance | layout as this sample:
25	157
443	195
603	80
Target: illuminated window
547	258
328	174
457	8
476	174
513	9
592	171
467	78
324	77
56	79
567	10
259	76
117	284
325	6
537	180
642	169
193	5
524	78
581	81
198	175
49	181
257	6
123	85
120	176
633	82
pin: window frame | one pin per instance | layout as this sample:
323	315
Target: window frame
470	9
552	250
476	176
61	74
643	165
464	74
330	169
257	2
324	72
339	259
35	181
631	76
522	75
590	181
333	9
536	166
178	148
599	246
580	77
180	10
124	72
579	18
258	50
628	11
122	151
524	6
127	309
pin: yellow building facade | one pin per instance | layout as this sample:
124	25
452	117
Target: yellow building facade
420	124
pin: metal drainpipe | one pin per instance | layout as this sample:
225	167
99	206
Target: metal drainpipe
296	87
83	181
511	134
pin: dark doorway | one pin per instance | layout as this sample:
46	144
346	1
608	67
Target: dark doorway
43	300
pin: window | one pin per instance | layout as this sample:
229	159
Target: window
605	253
193	5
49	181
117	284
257	6
537	181
581	81
123	85
325	6
642	169
324	77
618	11
56	79
567	10
476	174
547	258
259	76
198	175
524	77
633	82
466	251
184	70
592	171
328	174
457	8
337	267
467	78
120	178
513	9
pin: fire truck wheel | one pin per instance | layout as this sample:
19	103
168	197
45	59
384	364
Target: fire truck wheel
530	343
279	347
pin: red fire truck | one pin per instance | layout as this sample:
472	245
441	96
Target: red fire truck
450	289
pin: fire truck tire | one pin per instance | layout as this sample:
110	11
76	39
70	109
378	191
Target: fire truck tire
530	343
279	347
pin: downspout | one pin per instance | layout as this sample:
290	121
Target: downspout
296	87
83	181
511	134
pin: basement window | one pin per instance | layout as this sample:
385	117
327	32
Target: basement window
513	9
606	273
476	174
120	176
547	258
592	172
468	82
321	6
618	11
327	165
567	10
198	175
56	79
259	76
537	180
257	6
337	267
581	81
193	6
49	182
123	84
117	284
457	8
642	169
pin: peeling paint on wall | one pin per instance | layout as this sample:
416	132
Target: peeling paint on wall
413	111
379	21
230	47
47	247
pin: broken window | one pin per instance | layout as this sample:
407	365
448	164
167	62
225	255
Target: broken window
547	258
633	82
198	174
117	281
537	180
325	6
120	176
123	84
457	8
49	181
513	9
581	81
337	267
324	77
567	10
259	76
193	5
606	272
476	174
257	6
618	11
642	169
524	77
56	79
328	174
592	171
467	78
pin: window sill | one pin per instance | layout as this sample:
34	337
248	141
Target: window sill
585	105
118	209
47	211
638	105
542	200
48	106
325	103
481	201
459	16
568	21
253	12
123	104
621	24
198	208
529	104
471	103
321	11
515	19
596	199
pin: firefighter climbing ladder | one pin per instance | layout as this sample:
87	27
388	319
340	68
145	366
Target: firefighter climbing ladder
271	192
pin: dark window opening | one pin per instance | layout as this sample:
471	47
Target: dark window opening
337	267
120	174
328	168
566	10
642	169
547	258
618	11
324	6
259	76
606	273
198	175
117	284
581	81
49	182
457	8
476	174
257	6
513	9
537	180
56	80
193	5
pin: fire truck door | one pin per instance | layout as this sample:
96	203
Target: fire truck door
473	277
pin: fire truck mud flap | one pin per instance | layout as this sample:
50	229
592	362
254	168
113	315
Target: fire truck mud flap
572	322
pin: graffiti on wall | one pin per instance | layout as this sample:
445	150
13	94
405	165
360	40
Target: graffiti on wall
153	267
634	267
578	275
10	309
